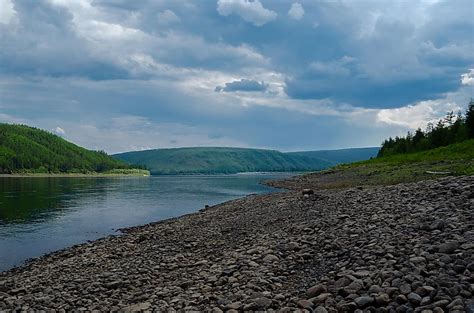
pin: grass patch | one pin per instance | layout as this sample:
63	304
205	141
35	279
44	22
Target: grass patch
456	159
125	171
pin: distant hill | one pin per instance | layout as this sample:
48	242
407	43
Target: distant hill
341	155
25	149
214	160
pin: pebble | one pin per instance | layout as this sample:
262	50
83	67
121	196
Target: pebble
363	301
448	247
320	309
270	258
414	298
316	290
305	304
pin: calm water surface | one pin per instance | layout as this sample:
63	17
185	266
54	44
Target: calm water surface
40	215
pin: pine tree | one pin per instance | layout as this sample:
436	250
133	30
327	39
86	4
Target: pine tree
419	135
470	119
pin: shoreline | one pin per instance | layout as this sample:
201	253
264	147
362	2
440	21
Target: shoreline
73	175
341	250
65	175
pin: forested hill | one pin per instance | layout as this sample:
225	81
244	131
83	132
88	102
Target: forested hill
206	160
25	149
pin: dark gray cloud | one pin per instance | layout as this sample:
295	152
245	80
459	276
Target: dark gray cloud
243	85
403	53
371	93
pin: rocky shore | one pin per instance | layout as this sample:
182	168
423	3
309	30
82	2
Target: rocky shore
402	248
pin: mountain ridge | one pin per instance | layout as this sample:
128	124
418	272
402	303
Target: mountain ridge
229	160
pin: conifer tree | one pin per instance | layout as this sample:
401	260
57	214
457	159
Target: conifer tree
470	119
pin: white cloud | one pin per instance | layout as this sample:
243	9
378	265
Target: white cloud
131	133
167	17
127	47
99	31
296	11
368	25
7	11
59	131
250	11
468	78
417	115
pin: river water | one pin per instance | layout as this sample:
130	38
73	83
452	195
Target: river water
40	215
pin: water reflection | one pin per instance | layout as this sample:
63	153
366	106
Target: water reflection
26	200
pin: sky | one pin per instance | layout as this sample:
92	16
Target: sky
121	75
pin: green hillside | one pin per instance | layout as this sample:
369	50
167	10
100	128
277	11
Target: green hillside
25	149
458	152
231	160
454	159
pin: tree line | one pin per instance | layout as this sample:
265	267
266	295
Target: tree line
28	149
453	128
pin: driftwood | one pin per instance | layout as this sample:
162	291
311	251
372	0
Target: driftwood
438	173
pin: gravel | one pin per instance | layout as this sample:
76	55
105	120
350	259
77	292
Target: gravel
402	248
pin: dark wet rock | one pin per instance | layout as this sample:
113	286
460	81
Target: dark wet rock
16	291
316	290
375	289
320	309
401	299
418	259
305	304
448	247
470	267
263	303
382	299
342	282
270	258
140	307
363	301
321	298
114	284
405	289
438	224
234	306
353	287
414	298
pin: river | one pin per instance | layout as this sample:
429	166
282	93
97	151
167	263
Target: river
43	214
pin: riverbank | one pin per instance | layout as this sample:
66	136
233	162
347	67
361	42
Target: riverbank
456	160
139	173
403	247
